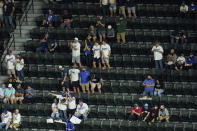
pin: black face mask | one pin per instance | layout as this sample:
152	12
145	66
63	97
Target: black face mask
84	71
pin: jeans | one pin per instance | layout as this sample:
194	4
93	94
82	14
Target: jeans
174	41
39	49
88	60
9	22
20	74
158	64
159	92
84	117
145	93
63	114
2	125
55	116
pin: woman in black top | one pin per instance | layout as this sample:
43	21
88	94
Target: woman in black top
158	89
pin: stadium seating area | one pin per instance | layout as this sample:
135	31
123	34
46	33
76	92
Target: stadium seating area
130	64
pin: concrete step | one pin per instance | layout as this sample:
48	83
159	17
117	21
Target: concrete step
3	79
24	27
17	48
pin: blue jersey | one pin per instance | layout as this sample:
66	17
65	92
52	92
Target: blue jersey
149	82
69	126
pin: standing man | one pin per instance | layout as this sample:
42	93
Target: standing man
96	80
65	81
104	6
122	7
74	78
149	85
96	54
6	118
158	55
75	46
131	4
84	80
10	60
82	109
121	28
106	52
100	25
8	11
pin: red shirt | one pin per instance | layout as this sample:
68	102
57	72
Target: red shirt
139	110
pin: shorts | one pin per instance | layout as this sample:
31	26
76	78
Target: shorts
11	72
76	59
85	86
122	10
105	60
93	85
97	60
103	32
66	84
75	84
19	98
121	35
112	7
71	111
131	10
14	125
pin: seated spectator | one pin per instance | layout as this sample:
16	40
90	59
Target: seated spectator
19	68
192	10
149	85
44	42
106	52
153	114
82	110
2	92
182	37
88	51
96	81
84	80
146	113
69	125
16	120
104	6
171	60
10	60
182	59
131	8
163	114
178	66
122	7
183	9
74	79
65	78
101	28
136	112
19	94
190	61
92	32
52	46
55	113
112	7
29	94
96	55
62	104
158	89
66	20
50	20
174	37
6	118
71	104
76	47
9	94
121	29
110	33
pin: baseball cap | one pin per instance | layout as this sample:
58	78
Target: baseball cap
64	92
71	94
54	41
10	85
146	105
80	100
135	105
76	38
5	110
60	67
109	27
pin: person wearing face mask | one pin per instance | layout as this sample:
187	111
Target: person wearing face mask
153	114
121	29
2	92
149	85
84	80
136	112
163	115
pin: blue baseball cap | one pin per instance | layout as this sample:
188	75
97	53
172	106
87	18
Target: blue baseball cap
71	94
80	100
64	92
146	105
5	110
54	41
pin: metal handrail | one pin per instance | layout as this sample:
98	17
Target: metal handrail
24	16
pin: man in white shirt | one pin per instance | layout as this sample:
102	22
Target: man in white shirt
71	104
6	118
97	54
10	60
183	9
16	120
158	55
19	68
106	52
82	109
75	46
74	78
181	59
62	104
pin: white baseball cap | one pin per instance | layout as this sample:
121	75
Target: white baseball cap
60	67
76	38
109	27
9	85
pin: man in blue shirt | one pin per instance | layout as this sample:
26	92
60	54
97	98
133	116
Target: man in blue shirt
149	85
44	45
69	125
2	92
50	19
84	80
29	94
190	61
